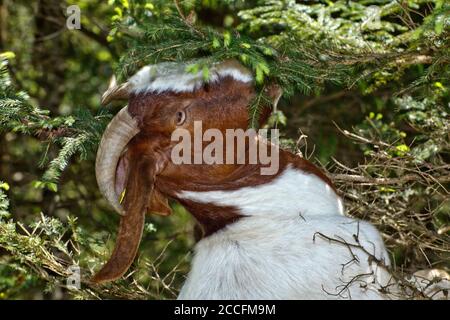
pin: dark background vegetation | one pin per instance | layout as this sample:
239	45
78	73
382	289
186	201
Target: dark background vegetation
366	98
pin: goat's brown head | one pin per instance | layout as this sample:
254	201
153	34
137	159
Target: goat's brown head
134	154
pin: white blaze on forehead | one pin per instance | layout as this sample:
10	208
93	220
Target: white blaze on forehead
171	76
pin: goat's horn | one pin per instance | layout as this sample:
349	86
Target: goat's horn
118	133
116	92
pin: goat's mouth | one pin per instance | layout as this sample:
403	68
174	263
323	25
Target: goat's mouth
158	203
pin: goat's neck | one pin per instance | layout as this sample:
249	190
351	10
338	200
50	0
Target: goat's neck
293	192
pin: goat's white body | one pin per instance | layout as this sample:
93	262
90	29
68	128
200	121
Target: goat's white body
256	258
275	251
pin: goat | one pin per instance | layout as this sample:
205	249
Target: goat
280	236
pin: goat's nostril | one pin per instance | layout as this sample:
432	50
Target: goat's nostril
181	117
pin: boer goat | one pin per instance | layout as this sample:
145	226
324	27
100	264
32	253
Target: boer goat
280	236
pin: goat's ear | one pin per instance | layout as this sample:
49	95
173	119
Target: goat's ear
139	188
159	204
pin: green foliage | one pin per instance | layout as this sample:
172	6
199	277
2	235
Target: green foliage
43	252
302	47
76	134
4	202
431	118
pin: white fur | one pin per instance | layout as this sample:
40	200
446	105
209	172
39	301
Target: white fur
173	77
266	258
270	253
293	192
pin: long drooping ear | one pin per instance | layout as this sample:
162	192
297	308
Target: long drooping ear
140	188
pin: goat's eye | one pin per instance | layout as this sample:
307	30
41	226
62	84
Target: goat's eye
181	117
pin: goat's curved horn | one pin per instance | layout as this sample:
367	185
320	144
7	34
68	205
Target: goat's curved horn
116	92
118	133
